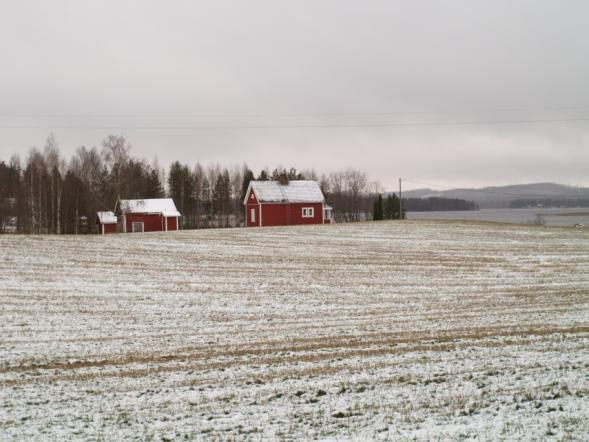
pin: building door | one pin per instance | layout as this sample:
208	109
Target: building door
137	227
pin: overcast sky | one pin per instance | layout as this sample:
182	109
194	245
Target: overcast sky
226	70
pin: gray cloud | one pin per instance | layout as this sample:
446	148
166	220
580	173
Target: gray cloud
143	63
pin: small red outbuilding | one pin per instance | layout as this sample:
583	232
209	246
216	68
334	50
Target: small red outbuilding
147	215
284	202
106	222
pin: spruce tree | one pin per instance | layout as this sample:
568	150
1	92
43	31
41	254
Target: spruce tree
206	200
247	177
378	209
222	198
389	209
154	188
396	207
181	190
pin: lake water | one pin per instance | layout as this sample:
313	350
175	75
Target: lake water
549	217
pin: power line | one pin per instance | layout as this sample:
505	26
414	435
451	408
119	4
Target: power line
293	126
308	114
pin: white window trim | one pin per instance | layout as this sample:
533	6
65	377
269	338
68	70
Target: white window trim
308	212
142	227
253	215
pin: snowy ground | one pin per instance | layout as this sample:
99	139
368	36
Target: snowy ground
394	330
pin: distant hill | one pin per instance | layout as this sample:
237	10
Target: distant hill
502	196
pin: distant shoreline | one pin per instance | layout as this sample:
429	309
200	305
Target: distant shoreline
534	215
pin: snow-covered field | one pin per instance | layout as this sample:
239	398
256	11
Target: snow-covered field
393	330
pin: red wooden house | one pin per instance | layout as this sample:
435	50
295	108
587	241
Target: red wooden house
148	215
106	222
284	202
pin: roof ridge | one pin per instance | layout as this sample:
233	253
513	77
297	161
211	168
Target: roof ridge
301	191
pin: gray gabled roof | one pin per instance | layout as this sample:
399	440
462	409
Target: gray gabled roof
298	191
107	217
163	206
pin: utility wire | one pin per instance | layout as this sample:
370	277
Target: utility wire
311	114
292	126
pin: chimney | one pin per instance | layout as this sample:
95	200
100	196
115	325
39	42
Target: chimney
283	179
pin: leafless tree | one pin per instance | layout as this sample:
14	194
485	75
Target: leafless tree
348	192
115	152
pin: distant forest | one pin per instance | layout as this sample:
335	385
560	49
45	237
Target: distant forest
550	202
438	204
47	193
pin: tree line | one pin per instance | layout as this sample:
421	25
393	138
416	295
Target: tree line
435	203
47	193
389	208
549	202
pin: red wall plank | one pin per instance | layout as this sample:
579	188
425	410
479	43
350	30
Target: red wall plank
151	223
108	228
171	223
286	214
251	198
249	221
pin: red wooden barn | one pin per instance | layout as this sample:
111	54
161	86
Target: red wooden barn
148	215
106	222
284	202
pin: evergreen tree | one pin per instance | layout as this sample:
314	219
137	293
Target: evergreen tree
293	175
9	192
154	188
276	174
247	177
75	203
378	209
175	183
226	195
181	188
134	184
389	209
392	207
263	175
205	199
221	197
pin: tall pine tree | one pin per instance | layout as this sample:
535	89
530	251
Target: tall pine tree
377	209
392	207
153	185
247	177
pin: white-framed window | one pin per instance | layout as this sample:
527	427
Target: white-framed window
137	227
253	215
308	212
